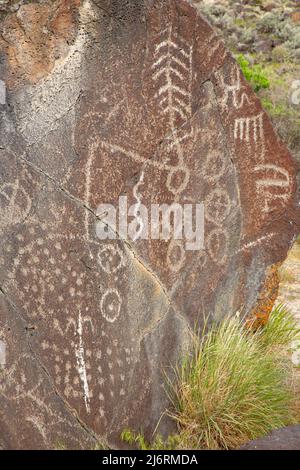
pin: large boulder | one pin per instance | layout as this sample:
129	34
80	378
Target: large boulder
109	98
280	439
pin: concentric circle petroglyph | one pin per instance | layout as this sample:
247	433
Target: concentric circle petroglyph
111	305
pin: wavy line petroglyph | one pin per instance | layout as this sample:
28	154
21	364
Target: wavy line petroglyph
233	91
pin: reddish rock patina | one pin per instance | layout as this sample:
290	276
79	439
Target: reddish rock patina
106	99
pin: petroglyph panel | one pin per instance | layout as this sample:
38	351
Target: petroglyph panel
142	101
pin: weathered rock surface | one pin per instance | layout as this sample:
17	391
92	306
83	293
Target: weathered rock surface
281	439
110	98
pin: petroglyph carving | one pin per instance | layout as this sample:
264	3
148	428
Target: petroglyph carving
178	179
214	49
173	67
274	185
111	258
15	385
111	303
217	245
37	273
138	199
80	356
217	206
15	204
234	93
257	242
178	176
214	166
249	129
176	255
71	364
180	137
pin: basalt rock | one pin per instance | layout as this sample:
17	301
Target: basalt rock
102	99
281	439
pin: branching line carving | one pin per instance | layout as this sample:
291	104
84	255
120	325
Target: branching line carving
173	66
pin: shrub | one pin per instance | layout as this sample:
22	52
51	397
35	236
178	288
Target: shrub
253	74
281	54
234	388
270	22
281	329
236	385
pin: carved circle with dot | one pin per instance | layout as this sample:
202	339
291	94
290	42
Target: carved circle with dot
111	305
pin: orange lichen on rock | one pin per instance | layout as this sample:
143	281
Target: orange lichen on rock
260	314
35	37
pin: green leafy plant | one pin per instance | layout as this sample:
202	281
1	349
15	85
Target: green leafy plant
138	439
253	74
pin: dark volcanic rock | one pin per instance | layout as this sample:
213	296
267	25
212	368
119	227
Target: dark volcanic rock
281	439
106	99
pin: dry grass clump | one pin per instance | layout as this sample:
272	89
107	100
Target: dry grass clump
236	386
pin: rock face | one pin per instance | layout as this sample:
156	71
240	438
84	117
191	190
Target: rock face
280	439
102	99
